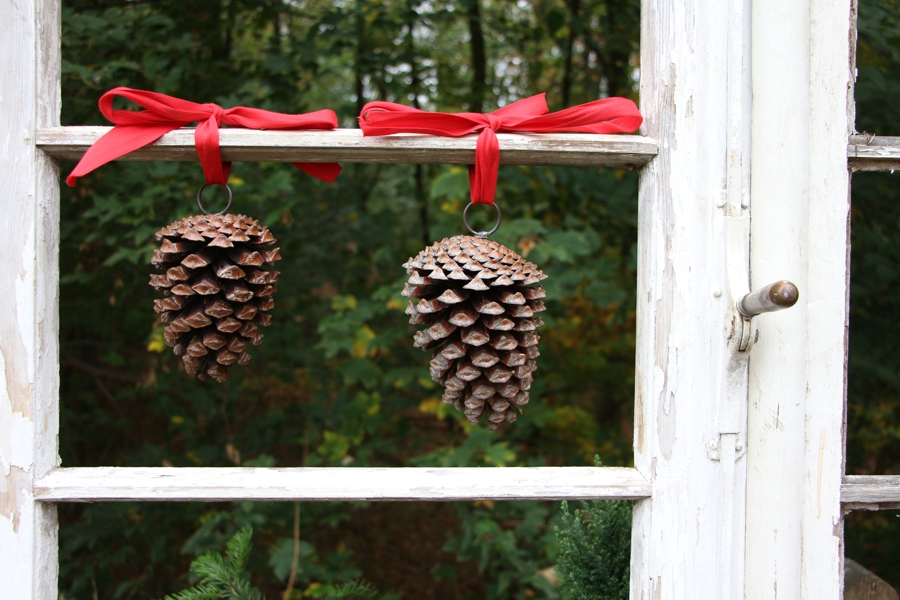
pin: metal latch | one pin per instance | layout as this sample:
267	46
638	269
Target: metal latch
773	297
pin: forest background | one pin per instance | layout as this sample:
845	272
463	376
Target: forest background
336	381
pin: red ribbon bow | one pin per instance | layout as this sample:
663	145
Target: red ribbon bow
531	115
136	129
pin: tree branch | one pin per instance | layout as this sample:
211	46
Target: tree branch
295	559
70	361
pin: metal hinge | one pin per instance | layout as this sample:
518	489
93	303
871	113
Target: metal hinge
713	446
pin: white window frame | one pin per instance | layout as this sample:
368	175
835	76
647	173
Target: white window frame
738	454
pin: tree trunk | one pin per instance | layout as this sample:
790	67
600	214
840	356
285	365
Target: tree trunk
622	16
574	29
479	60
421	199
360	50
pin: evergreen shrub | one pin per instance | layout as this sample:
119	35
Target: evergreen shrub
595	551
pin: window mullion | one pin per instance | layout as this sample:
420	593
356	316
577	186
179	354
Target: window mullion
219	484
29	277
800	201
690	398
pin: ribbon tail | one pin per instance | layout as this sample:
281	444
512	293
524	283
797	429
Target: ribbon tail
206	139
483	174
120	140
474	184
325	171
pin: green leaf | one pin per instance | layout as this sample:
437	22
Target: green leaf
452	184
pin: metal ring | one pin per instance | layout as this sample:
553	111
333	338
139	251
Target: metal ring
200	192
482	234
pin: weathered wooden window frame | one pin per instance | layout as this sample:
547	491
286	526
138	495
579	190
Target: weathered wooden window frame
729	449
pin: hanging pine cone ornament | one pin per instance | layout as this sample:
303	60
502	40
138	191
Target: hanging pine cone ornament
216	293
472	294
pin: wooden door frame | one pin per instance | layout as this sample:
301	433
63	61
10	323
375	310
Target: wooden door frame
747	118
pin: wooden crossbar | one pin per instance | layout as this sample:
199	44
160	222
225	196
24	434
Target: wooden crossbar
870	492
873	153
349	145
113	484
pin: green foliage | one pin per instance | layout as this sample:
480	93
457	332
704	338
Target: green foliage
353	590
511	543
878	67
874	379
595	551
223	577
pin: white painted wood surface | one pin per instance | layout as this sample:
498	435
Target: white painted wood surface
29	274
873	153
111	484
779	196
349	145
800	200
690	397
827	297
870	492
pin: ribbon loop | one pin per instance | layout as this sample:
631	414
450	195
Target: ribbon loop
216	112
162	114
529	115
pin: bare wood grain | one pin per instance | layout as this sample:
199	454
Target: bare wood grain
870	491
112	484
349	145
873	153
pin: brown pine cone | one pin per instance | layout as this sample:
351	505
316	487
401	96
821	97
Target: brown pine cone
481	323
216	296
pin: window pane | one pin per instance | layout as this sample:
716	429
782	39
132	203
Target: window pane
417	549
873	432
336	380
872	539
873	401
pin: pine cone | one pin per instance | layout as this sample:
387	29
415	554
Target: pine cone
481	321
216	297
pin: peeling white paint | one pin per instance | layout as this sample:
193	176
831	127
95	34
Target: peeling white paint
688	538
16	431
14	496
24	307
29	278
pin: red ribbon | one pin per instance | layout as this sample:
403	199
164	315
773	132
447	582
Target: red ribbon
136	129
530	115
